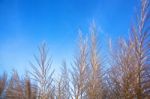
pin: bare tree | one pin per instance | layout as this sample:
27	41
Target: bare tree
122	73
79	75
140	36
30	90
95	79
42	74
130	74
15	88
19	89
3	81
63	86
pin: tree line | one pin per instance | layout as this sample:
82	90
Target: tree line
128	75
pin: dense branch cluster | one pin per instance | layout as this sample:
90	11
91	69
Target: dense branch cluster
128	75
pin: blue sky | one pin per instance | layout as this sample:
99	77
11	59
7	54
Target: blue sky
24	24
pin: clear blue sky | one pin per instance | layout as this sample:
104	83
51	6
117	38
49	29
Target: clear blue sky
24	24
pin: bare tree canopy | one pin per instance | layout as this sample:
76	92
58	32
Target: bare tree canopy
127	75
